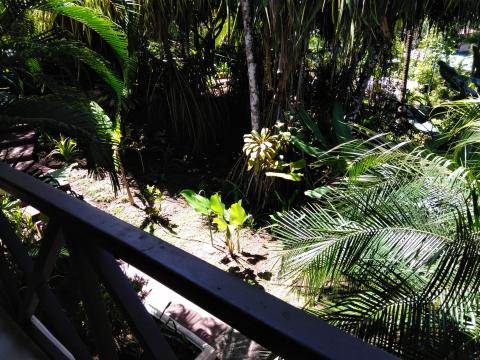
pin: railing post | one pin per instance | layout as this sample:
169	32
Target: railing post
52	309
94	304
50	247
145	328
9	285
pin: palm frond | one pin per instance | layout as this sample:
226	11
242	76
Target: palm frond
58	50
74	117
385	305
461	122
111	33
392	249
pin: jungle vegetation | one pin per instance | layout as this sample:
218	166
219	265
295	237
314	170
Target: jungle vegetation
378	221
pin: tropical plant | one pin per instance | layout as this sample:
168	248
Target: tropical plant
460	138
65	147
263	149
389	252
286	151
436	46
39	59
229	221
16	215
178	44
192	65
152	197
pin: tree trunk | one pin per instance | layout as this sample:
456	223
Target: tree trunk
252	80
406	65
476	61
364	78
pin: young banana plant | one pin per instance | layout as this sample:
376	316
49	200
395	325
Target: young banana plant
228	220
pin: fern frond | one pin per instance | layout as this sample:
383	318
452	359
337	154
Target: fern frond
111	33
73	117
57	50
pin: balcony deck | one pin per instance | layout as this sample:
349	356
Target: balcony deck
15	343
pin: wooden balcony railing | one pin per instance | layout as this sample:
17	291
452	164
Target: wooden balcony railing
95	241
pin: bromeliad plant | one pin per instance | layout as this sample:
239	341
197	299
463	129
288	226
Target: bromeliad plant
229	221
269	150
265	152
66	148
262	150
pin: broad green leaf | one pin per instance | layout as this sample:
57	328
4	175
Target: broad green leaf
223	33
310	124
237	214
200	203
62	175
217	205
297	165
34	67
221	224
307	149
319	192
342	130
291	176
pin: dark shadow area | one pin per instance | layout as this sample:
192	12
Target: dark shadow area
265	275
148	224
179	170
247	275
253	258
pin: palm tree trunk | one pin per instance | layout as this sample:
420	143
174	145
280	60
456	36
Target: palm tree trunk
476	61
365	75
252	80
406	65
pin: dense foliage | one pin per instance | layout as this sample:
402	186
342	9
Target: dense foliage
39	59
372	181
389	251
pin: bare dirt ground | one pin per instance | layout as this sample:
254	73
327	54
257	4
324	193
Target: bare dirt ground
257	264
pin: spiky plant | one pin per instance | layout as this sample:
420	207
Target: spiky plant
65	148
390	252
177	43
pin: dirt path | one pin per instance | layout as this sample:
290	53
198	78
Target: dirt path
258	264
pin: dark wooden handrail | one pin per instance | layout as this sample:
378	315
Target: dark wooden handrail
99	239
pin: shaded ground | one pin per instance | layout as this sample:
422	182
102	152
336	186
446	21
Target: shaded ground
258	264
180	225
